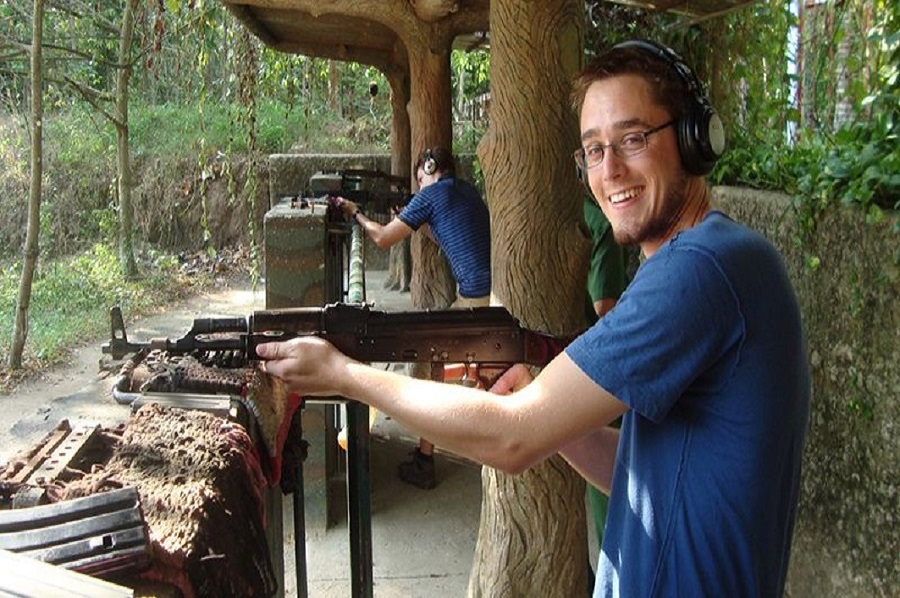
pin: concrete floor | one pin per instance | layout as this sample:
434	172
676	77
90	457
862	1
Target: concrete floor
423	541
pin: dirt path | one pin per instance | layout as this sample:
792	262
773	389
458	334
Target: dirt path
81	391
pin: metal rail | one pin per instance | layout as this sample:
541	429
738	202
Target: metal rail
344	282
359	489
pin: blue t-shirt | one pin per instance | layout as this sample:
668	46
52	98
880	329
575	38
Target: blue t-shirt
706	348
461	225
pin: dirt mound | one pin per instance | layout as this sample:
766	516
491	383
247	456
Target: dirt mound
81	390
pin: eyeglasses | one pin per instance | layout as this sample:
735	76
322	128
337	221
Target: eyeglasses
630	145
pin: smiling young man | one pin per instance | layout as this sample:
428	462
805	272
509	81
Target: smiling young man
703	356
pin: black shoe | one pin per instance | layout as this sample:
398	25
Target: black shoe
418	471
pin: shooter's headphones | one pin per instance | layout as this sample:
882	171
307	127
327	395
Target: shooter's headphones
429	165
701	135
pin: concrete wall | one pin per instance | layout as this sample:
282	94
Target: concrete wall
289	177
847	277
289	173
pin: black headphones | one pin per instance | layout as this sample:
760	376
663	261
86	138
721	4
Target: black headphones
429	165
701	135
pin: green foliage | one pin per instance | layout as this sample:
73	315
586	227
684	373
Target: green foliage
279	127
169	129
857	168
473	70
470	83
609	23
466	136
71	297
78	137
856	165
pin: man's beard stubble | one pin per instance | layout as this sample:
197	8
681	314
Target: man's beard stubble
660	225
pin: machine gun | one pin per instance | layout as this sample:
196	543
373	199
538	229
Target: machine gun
488	338
373	190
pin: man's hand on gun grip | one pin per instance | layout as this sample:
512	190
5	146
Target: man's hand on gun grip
308	365
346	206
515	378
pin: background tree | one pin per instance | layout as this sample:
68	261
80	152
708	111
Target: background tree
20	331
123	152
118	117
90	52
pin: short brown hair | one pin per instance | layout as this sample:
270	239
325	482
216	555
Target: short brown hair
668	87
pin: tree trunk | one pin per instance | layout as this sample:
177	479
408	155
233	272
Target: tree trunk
815	24
123	153
539	255
532	540
334	87
401	154
400	261
844	71
432	285
20	329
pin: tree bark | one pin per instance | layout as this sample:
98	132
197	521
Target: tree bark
400	261
123	153
533	193
334	88
401	154
20	329
844	112
432	285
532	539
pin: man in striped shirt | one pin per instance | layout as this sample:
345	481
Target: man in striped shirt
455	215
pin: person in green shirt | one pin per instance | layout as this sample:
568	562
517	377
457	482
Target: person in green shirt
607	277
606	280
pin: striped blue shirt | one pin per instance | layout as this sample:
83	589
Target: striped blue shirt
461	225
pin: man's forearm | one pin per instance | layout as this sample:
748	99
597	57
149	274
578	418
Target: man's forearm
370	227
594	456
383	235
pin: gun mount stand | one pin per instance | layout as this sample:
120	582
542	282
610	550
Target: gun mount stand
295	245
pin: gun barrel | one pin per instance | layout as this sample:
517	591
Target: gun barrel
219	325
208	334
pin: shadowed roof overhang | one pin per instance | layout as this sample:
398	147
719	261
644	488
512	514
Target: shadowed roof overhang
322	29
327	36
693	11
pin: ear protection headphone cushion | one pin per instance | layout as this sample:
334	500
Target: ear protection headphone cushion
701	135
582	174
583	177
428	163
701	139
